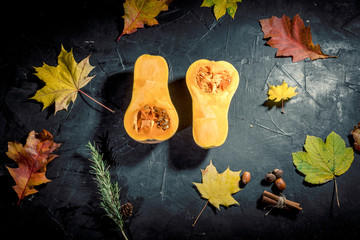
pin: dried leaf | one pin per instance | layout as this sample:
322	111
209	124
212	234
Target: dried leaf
222	6
217	188
356	135
32	160
322	162
281	93
291	38
140	12
64	81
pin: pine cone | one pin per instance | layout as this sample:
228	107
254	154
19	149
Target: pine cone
126	210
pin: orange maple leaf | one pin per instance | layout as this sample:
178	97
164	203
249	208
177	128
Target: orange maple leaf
140	12
32	160
291	38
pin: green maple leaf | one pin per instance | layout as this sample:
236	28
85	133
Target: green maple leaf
323	162
221	7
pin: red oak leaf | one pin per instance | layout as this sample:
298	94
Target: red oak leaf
291	38
32	160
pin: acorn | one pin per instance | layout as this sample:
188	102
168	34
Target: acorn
280	184
270	177
245	178
278	173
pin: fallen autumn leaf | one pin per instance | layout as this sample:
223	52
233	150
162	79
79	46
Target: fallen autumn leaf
291	38
32	160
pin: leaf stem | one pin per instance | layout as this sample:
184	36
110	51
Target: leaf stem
193	225
32	170
97	101
336	193
282	106
120	36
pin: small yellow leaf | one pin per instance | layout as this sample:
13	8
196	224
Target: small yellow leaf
217	188
281	92
221	7
64	81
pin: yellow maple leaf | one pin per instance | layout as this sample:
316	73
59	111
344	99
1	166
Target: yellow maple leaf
217	188
64	81
281	93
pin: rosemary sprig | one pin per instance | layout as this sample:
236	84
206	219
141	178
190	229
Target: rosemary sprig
110	192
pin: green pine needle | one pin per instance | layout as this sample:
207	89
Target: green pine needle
109	192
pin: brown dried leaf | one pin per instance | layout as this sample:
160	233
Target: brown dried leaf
32	160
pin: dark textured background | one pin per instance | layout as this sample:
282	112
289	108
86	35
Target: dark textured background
157	179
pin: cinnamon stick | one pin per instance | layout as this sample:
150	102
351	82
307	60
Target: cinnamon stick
268	201
288	203
276	197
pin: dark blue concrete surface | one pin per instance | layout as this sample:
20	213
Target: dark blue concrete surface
157	179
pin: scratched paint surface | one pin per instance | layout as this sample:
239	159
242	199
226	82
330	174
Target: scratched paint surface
156	179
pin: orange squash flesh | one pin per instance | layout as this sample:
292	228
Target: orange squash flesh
151	116
212	86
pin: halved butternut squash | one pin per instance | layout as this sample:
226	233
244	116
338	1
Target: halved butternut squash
151	116
212	86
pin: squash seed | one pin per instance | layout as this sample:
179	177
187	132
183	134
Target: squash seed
150	117
212	82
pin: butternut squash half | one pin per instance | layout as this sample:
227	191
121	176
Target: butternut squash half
151	116
212	86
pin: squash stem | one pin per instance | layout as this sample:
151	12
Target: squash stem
200	213
97	102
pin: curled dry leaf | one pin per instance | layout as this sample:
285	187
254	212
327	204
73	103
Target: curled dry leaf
32	160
